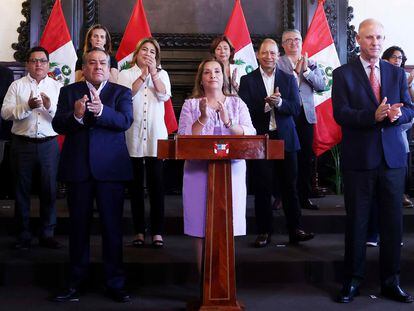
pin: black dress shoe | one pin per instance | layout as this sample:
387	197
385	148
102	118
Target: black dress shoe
277	204
117	295
300	236
70	294
396	293
407	203
348	293
262	240
309	205
49	242
22	244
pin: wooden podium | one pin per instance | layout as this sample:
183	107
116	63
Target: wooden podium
219	281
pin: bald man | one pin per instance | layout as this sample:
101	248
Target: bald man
272	97
370	102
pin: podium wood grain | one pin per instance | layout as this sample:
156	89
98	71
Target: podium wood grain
219	281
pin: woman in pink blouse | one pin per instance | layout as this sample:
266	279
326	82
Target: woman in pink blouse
210	111
150	87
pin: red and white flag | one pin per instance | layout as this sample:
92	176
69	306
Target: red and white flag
57	41
239	36
321	48
136	29
62	54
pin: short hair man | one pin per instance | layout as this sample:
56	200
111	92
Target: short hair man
310	78
94	115
370	101
272	97
30	103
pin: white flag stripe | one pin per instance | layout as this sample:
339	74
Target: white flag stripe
328	59
247	54
65	59
124	60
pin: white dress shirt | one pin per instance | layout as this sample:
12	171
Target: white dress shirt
367	67
148	105
269	82
34	123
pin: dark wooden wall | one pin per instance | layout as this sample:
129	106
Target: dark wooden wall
184	28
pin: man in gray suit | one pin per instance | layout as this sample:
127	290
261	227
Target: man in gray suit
310	78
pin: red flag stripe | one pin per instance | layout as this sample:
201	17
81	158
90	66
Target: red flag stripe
55	34
240	35
327	133
136	29
319	35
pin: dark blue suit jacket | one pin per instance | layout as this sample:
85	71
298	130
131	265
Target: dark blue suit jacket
364	141
97	148
253	92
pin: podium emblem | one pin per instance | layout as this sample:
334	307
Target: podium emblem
221	150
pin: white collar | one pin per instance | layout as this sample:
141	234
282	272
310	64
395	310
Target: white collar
264	73
367	64
34	80
90	86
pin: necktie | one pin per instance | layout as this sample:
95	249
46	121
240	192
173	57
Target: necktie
373	80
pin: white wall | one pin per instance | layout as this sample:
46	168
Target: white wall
9	22
397	18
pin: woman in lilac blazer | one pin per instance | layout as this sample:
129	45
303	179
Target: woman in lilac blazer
210	111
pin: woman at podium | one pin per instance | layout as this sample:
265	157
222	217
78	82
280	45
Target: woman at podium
211	111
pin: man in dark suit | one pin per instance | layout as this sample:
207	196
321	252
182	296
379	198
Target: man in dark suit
93	115
272	97
6	78
370	100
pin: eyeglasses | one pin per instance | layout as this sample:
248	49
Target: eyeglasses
396	57
38	60
290	40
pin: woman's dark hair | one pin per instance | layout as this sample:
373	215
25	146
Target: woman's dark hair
390	51
215	44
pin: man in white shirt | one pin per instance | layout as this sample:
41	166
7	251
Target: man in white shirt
272	97
30	103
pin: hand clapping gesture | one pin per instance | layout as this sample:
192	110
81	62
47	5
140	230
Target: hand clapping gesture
234	80
384	110
151	64
202	105
80	107
34	102
274	99
302	64
95	106
222	110
45	100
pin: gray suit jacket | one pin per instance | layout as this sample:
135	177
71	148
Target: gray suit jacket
315	81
